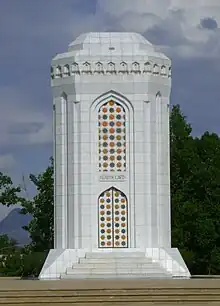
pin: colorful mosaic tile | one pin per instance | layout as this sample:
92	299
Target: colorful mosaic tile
112	137
113	227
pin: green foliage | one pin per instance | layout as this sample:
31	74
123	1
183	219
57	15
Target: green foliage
195	194
10	264
7	245
32	263
9	194
28	261
41	227
22	263
8	258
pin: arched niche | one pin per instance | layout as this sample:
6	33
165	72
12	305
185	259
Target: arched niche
135	67
58	72
75	68
86	68
66	70
156	69
163	71
123	67
111	68
99	68
113	219
147	67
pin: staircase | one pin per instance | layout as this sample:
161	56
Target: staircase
111	265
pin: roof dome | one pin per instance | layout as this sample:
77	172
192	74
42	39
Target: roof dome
94	40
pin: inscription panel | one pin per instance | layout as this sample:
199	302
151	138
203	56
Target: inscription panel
112	178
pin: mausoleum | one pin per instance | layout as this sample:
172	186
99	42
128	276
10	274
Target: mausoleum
111	95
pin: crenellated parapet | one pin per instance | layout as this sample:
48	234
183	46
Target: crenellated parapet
110	68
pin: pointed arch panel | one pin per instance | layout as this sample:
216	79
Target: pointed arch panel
113	219
112	137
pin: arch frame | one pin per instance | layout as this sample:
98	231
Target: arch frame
128	184
111	95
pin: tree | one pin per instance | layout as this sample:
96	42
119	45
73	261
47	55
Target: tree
7	250
183	156
29	260
32	263
207	192
9	194
10	264
7	245
182	162
41	208
195	195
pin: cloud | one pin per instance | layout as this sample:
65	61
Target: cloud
209	23
185	28
7	162
21	122
32	32
182	29
29	41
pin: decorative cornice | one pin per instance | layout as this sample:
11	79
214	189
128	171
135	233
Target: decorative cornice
110	68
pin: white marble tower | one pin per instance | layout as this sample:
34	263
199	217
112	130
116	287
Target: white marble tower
111	149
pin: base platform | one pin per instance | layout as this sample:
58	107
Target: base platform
106	292
129	263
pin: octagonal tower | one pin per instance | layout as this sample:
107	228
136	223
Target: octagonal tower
111	150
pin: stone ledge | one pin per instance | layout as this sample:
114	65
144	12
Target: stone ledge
86	292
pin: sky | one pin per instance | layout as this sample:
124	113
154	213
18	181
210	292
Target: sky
33	32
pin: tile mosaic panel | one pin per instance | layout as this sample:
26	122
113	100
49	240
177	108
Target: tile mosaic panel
112	137
113	212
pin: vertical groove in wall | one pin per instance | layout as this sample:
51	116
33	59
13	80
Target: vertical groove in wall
167	177
93	117
67	173
54	174
165	208
64	169
131	174
127	169
79	141
76	170
159	165
154	167
147	141
75	174
70	148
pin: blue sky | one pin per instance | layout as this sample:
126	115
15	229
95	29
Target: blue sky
32	32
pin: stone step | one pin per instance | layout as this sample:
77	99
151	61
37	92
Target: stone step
116	276
115	254
113	290
118	260
112	266
107	270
